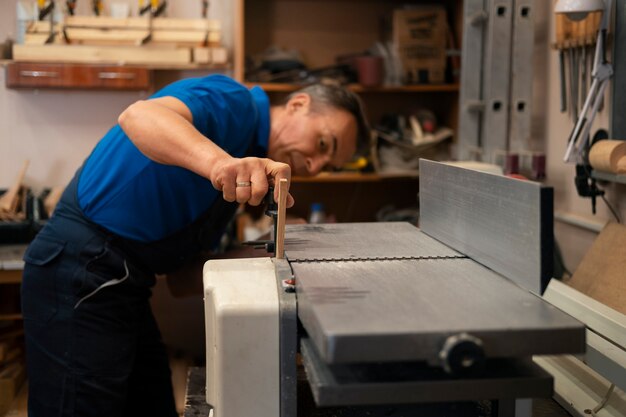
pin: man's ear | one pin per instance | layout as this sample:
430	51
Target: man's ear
299	102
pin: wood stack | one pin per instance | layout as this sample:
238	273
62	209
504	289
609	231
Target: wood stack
13	201
134	40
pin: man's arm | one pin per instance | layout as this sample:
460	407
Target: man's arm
162	129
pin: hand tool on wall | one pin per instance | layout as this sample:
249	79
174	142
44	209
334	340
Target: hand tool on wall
155	9
47	10
71	7
573	79
96	7
560	39
205	8
153	6
601	73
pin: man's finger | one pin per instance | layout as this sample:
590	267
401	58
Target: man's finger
259	187
243	190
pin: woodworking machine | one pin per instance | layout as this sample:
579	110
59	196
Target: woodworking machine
389	314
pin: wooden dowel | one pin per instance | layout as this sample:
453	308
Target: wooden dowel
280	218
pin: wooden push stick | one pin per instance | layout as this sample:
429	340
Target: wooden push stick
280	218
9	200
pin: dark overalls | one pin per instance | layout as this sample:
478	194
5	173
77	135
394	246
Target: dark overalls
93	347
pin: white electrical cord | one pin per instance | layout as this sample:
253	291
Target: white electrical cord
114	281
602	403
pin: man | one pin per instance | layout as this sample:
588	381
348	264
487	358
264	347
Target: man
158	189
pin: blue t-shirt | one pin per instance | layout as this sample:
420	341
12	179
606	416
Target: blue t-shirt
134	197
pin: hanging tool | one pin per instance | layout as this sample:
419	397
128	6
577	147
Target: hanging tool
560	39
153	6
71	7
602	72
96	7
205	8
155	9
47	11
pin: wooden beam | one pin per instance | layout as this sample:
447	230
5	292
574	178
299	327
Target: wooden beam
125	37
158	23
101	54
137	35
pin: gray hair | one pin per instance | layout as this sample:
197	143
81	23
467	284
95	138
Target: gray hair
339	98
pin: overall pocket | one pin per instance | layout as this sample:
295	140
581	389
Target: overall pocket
105	268
39	287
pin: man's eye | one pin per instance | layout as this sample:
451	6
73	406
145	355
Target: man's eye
323	145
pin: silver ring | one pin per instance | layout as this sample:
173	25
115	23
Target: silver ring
244	183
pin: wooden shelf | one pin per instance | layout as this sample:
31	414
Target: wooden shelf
333	177
418	88
10	276
11	316
607	176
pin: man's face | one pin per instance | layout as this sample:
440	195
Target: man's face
311	141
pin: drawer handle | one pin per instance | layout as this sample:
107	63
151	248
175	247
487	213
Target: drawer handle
39	74
116	75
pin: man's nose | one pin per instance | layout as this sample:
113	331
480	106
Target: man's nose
315	164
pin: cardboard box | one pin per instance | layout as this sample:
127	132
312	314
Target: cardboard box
420	36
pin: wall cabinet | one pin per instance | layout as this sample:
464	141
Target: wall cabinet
57	75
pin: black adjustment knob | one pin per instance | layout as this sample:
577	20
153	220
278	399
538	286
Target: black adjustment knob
462	354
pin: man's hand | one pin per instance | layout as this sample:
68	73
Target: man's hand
246	180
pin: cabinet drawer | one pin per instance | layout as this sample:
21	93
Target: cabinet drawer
43	75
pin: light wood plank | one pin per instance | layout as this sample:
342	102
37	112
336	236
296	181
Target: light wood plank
102	54
106	22
135	36
283	185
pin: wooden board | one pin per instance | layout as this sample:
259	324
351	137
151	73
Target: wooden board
102	54
600	275
105	22
132	36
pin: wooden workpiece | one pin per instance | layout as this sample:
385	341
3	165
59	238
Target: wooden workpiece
280	218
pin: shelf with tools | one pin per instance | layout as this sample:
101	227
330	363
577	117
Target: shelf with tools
323	34
326	33
102	52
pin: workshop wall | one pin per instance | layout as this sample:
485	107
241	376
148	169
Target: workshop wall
569	207
57	129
